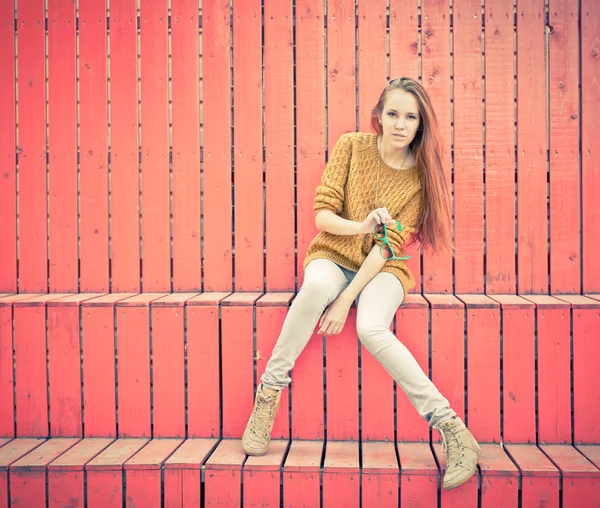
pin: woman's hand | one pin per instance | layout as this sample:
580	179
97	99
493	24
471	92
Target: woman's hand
378	216
333	319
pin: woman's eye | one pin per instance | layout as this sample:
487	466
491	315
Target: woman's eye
392	114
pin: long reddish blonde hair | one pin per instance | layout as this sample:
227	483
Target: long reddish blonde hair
435	227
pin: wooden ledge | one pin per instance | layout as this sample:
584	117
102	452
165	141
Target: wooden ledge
379	458
275	300
191	454
512	302
205	299
229	454
107	300
414	301
495	462
531	461
40	457
17	448
74	300
417	459
570	462
241	299
341	457
174	300
153	454
439	301
546	302
75	458
141	300
478	301
304	456
113	457
272	461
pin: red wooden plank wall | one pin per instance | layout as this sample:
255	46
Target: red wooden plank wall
177	146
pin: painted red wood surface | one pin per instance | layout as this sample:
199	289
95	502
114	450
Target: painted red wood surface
223	474
412	329
262	476
499	146
185	114
154	63
62	146
532	240
380	475
342	382
436	78
99	365
404	61
483	367
248	143
203	361
310	120
271	311
33	230
518	373
468	150
10	453
216	99
563	40
447	349
104	473
279	144
8	149
143	473
341	475
168	365
499	478
301	474
590	125
124	146
237	362
553	370
419	476
93	148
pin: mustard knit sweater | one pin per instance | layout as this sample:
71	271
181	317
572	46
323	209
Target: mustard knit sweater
348	189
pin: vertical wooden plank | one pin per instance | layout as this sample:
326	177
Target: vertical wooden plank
8	145
404	61
93	147
156	233
262	477
499	145
124	157
518	354
531	146
447	349
301	478
342	383
217	146
279	145
468	140
248	142
590	126
237	362
435	63
99	372
412	329
310	120
341	475
64	370
223	475
185	83
341	75
372	58
33	252
7	381
563	91
380	475
62	146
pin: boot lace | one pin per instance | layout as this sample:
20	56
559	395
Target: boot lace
262	417
450	446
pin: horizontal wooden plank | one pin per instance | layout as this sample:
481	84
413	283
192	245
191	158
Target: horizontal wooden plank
304	456
7	301
174	300
594	296
16	449
74	300
478	301
546	301
271	461
228	455
510	302
141	300
275	300
39	301
570	462
240	299
379	458
495	462
4	440
191	454
531	461
116	454
154	454
209	298
76	457
414	301
39	458
416	458
341	457
580	302
591	452
443	301
108	300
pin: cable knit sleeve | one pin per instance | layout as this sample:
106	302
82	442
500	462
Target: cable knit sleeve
409	217
330	194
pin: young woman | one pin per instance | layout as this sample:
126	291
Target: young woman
378	191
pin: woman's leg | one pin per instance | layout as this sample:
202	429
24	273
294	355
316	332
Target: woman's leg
377	305
323	282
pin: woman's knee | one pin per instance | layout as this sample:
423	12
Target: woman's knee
372	334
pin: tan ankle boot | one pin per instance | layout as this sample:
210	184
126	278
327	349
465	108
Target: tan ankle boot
462	452
257	435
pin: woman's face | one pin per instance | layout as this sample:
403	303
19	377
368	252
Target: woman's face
400	118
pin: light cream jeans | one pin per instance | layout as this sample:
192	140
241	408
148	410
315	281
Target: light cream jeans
324	280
